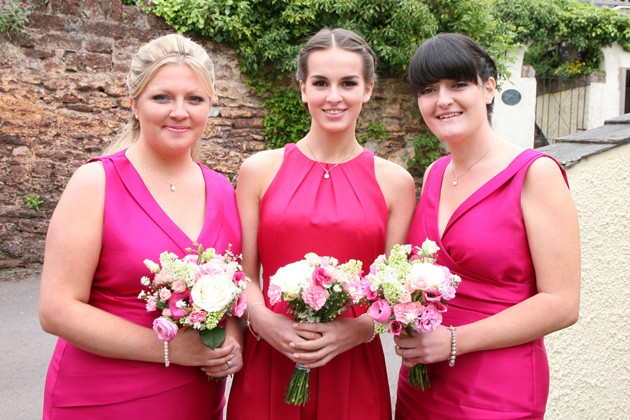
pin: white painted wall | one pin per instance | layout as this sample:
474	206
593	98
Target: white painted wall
605	98
590	361
516	123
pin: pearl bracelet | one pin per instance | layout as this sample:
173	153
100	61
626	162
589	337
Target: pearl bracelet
373	326
451	359
249	325
167	362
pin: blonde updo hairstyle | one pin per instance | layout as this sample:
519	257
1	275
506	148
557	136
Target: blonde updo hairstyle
167	49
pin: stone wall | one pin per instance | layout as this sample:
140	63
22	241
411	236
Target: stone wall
63	99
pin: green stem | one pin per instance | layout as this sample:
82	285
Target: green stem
297	392
418	376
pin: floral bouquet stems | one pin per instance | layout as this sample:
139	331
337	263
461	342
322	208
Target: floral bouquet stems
316	289
297	392
410	291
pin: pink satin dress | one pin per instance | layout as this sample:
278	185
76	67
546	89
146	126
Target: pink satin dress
485	242
344	216
82	385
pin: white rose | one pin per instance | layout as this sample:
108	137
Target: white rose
423	276
293	278
213	293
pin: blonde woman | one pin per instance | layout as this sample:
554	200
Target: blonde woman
146	196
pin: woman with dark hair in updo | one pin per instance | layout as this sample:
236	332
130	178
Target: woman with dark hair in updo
324	194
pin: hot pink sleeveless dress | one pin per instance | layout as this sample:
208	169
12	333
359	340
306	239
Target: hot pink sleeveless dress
344	216
486	244
82	385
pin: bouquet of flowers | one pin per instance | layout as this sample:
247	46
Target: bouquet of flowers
410	291
316	289
198	291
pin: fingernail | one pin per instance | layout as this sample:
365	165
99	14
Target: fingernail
292	345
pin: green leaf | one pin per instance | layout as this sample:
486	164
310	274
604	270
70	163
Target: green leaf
213	338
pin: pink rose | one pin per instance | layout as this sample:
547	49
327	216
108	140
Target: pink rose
197	316
409	288
161	278
395	327
212	267
166	312
274	293
239	276
380	311
241	304
407	313
430	319
320	277
165	294
315	297
418	283
176	312
151	305
179	286
165	329
367	290
405	298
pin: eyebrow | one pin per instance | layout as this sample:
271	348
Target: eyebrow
319	76
169	91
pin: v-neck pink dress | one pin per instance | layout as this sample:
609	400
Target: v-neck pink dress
344	216
485	242
82	385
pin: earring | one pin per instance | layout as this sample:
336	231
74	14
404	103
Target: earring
135	115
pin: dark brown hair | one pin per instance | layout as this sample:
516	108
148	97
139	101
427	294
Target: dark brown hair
452	57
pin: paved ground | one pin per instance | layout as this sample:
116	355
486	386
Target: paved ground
25	349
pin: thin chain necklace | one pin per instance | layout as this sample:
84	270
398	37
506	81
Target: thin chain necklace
172	184
327	171
456	178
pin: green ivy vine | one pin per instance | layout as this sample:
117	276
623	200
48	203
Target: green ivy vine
566	35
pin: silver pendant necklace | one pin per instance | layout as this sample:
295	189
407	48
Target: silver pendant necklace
456	178
327	171
172	184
